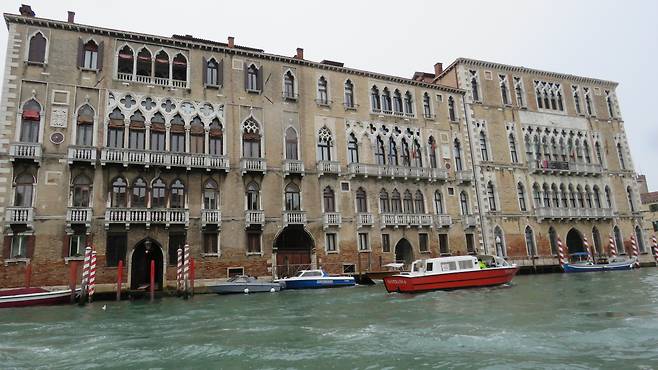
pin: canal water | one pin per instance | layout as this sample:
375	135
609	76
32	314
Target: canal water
596	320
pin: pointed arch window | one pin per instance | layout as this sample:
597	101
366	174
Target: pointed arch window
386	100
361	201
457	149
23	190
392	153
251	139
177	134
620	153
329	199
137	131
463	203
608	101
162	65
416	154
81	191
396	202
619	240
608	197
210	195
125	62
530	241
427	106
599	155
504	91
325	142
520	191
352	149
144	63
37	48
547	196
408	103
197	136
253	196
90	55
408	202
499	242
491	195
474	86
581	198
518	89
375	102
179	68
116	129
252	83
158	194
289	85
216	138
512	149
483	146
419	202
119	187
157	132
438	202
30	122
597	196
406	161
212	72
384	205
138	195
555	196
291	144
349	94
177	194
563	195
380	155
576	98
629	194
536	195
452	113
432	152
292	197
84	129
323	91
397	102
588	102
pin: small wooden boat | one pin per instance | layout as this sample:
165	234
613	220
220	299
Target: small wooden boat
313	279
244	284
446	273
22	297
581	263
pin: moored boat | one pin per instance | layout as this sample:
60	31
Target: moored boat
312	279
22	297
244	284
582	263
446	273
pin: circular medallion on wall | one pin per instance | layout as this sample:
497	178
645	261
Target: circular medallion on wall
57	138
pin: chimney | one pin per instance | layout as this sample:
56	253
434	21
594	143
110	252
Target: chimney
438	69
300	53
71	18
26	10
231	42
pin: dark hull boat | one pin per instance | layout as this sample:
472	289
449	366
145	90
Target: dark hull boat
593	267
23	297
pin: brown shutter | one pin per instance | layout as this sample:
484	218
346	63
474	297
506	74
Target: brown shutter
246	76
81	53
99	64
6	247
30	246
204	71
65	245
259	79
220	73
157	127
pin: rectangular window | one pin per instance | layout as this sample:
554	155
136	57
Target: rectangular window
470	244
18	246
423	243
234	271
158	141
77	244
215	146
349	268
115	138
253	242
363	242
176	241
116	249
331	242
443	244
386	243
211	242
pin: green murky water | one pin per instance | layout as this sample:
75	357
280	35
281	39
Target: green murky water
597	320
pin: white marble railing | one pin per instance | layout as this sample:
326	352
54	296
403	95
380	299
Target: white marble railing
443	221
147	215
464	176
19	215
25	150
253	165
211	217
364	219
332	219
571	213
293	166
160	81
564	167
167	159
419	173
82	154
75	215
254	218
294	218
328	167
405	220
469	221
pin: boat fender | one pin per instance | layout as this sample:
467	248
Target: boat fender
246	290
272	290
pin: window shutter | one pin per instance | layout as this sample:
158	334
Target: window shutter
220	73
30	246
259	79
81	53
204	70
65	245
6	247
246	76
99	64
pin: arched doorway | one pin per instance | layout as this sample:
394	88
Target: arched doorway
404	252
146	251
293	246
575	242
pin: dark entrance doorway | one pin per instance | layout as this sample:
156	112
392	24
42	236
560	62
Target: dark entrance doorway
575	242
293	251
146	251
404	253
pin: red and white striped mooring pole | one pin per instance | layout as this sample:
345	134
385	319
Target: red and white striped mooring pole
634	251
179	271
85	276
560	252
654	248
613	248
186	269
590	256
92	275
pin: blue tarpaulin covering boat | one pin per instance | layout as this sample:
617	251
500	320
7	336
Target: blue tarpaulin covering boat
588	266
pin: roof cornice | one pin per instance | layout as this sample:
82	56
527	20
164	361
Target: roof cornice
213	46
519	69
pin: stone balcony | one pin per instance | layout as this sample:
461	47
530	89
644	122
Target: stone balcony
564	168
405	220
150	80
28	151
147	216
78	215
293	167
469	221
328	168
364	219
85	154
294	218
565	214
253	165
19	215
330	219
399	172
149	158
442	221
254	217
211	217
464	176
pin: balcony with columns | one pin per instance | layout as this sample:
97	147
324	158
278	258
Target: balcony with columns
211	217
442	220
253	165
567	214
83	154
294	218
147	216
328	168
399	172
254	217
19	215
29	151
168	160
331	219
564	168
406	220
464	176
293	167
469	221
364	219
78	215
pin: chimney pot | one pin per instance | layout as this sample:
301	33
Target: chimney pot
71	18
231	42
300	53
438	69
26	10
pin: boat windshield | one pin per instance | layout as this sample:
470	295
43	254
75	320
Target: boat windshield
308	273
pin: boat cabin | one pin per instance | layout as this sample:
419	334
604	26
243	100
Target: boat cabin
311	273
443	265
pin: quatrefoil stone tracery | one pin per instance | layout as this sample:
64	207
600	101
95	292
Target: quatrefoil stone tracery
168	105
148	104
128	101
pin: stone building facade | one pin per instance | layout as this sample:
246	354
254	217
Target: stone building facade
139	144
551	160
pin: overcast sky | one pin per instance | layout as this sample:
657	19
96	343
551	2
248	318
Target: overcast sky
611	40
